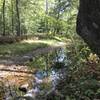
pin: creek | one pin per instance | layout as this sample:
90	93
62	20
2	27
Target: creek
51	68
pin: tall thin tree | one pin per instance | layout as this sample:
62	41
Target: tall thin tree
12	18
46	12
3	12
18	30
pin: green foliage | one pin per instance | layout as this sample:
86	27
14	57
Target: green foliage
82	79
57	16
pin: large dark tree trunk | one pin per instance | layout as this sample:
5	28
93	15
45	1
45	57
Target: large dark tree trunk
88	23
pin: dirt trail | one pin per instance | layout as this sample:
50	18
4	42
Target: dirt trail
23	59
14	69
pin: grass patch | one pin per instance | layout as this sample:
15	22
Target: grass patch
24	47
19	48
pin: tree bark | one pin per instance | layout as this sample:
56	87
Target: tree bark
18	19
3	18
12	11
46	13
88	23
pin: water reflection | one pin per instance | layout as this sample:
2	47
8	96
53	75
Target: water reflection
60	55
54	69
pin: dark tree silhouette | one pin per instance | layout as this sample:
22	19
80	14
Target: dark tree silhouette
88	23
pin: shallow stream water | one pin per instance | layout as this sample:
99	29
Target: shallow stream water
50	69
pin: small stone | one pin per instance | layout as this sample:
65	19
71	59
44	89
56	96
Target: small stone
24	88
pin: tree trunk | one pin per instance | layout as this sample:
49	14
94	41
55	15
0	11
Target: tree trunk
46	12
88	23
18	19
59	7
12	11
3	18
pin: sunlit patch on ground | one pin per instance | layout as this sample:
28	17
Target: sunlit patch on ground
48	42
15	75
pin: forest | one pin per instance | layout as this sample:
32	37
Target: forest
49	50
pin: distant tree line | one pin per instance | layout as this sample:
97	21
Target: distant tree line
21	17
